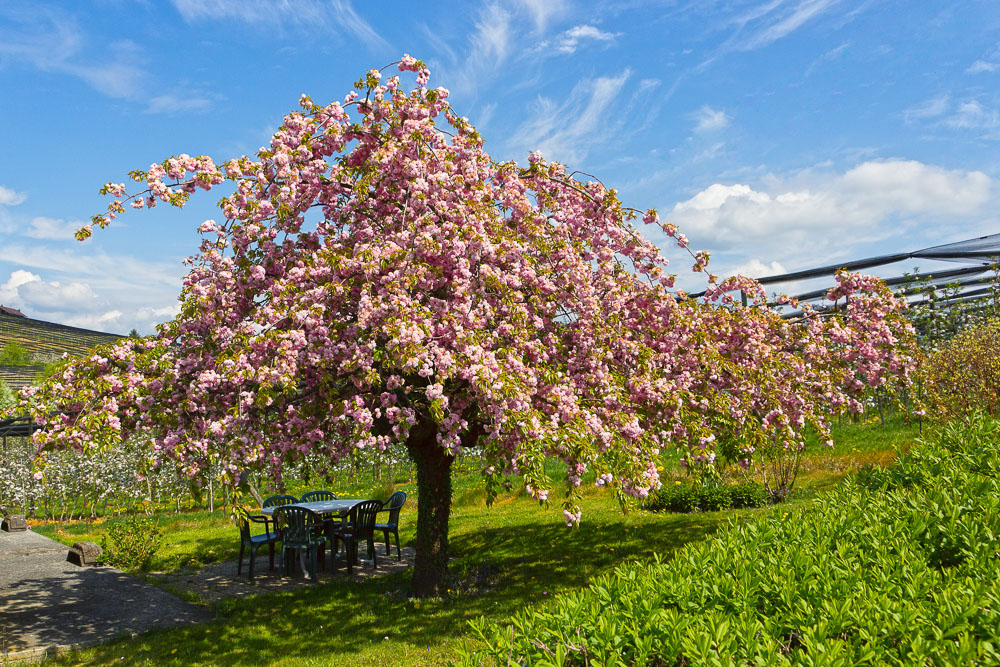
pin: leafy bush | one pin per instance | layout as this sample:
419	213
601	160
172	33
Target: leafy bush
713	499
15	354
131	543
7	399
964	374
692	498
673	498
748	495
896	568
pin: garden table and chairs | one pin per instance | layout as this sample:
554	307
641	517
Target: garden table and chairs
254	542
272	502
392	506
360	525
328	522
301	530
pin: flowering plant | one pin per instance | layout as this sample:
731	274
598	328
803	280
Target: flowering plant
379	278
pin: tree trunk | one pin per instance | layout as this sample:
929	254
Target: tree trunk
433	463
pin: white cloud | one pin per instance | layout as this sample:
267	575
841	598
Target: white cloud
110	321
757	269
51	228
975	116
488	47
90	289
119	273
25	289
491	41
967	115
799	217
79	285
157	315
541	11
502	30
708	119
51	41
798	16
567	131
10	198
829	56
9	290
178	103
710	152
982	66
770	21
302	15
72	297
932	108
765	23
569	40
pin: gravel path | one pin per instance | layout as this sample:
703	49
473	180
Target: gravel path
49	605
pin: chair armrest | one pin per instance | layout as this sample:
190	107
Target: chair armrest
260	518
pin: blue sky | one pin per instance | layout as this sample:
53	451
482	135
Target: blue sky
778	134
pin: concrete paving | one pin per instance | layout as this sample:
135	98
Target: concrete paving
49	605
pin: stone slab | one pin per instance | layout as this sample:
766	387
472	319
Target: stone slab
49	605
84	553
13	523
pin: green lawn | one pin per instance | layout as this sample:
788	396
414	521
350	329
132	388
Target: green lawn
506	557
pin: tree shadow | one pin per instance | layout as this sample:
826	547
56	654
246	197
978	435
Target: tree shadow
60	605
512	566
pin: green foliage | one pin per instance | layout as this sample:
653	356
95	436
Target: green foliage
49	370
7	399
131	543
695	497
511	555
964	374
15	354
748	495
898	567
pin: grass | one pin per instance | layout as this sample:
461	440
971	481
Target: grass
506	557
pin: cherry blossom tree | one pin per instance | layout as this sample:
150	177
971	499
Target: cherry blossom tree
378	278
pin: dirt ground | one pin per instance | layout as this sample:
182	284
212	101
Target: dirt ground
213	583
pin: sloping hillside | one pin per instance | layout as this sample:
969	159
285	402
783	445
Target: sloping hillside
47	341
19	376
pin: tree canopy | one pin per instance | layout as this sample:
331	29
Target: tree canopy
378	278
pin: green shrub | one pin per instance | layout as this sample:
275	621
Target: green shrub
897	568
692	498
673	498
714	499
964	374
748	495
7	399
131	543
15	354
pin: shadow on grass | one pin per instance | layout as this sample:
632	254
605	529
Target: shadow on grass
526	562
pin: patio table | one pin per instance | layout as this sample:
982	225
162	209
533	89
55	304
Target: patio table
340	507
325	507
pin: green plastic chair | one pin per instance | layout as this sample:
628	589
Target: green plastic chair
317	496
392	506
360	526
255	542
299	532
278	501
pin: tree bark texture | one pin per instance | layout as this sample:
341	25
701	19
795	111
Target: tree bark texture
433	464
